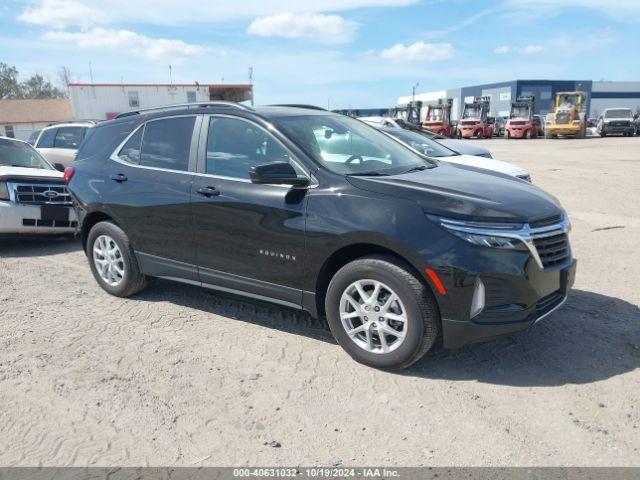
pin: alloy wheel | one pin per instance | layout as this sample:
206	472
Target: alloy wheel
373	316
108	260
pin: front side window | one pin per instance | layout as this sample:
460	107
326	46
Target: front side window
347	146
69	137
166	143
18	154
134	101
47	138
234	146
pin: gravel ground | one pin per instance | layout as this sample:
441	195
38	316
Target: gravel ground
182	376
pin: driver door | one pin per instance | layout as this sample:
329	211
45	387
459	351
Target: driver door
249	237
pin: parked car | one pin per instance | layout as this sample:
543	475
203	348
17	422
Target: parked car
433	149
59	143
616	120
321	212
33	195
459	146
636	121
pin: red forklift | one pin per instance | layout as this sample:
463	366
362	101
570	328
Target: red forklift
520	123
474	121
438	118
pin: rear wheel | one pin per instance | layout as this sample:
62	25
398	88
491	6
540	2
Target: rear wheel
380	313
527	134
112	261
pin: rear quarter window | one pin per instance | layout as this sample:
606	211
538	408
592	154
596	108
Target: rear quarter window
100	141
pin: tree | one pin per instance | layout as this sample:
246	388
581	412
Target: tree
64	78
9	85
38	87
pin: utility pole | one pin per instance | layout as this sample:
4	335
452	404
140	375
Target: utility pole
170	76
251	83
413	97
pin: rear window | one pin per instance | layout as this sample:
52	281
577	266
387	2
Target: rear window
100	141
47	138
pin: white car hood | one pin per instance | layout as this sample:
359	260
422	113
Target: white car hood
486	163
29	172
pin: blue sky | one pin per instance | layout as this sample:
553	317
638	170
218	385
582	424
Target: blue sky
346	53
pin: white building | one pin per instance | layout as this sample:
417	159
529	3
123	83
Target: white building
20	118
100	101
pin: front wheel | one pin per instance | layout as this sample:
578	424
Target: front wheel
527	135
112	261
381	314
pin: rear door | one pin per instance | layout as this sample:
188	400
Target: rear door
148	193
249	237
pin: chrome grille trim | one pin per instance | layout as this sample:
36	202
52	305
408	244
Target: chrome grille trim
38	193
528	235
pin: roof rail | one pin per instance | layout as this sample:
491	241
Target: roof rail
216	103
298	105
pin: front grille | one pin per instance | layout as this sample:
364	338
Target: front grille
562	118
40	194
620	124
552	249
518	122
35	222
545	221
548	303
472	122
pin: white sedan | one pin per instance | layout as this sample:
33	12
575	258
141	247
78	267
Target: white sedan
433	149
33	194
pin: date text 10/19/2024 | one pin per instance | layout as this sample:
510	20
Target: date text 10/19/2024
316	472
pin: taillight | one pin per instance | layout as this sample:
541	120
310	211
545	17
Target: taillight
68	174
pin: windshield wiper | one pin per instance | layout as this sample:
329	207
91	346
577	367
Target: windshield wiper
368	174
418	168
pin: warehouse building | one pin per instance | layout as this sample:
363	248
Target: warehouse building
100	101
600	95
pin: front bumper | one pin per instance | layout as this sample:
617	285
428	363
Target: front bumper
519	132
618	129
26	219
563	130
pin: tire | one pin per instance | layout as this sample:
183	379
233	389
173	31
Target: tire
132	280
416	302
527	135
479	134
508	135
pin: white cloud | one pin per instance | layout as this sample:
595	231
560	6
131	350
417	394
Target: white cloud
624	10
63	13
419	51
502	50
533	49
127	42
184	12
315	26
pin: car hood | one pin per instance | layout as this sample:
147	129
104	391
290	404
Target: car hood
466	193
12	172
486	163
461	146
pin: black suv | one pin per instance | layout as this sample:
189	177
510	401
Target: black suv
321	212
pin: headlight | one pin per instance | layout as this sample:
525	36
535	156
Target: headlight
4	191
493	235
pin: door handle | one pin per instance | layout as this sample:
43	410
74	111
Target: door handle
208	191
120	177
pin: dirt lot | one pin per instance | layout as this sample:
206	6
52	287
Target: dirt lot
181	376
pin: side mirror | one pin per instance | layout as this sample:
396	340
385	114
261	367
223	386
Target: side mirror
58	166
280	173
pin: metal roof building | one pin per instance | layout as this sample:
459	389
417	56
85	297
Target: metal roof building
100	101
600	95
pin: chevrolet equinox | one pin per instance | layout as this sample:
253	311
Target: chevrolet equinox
321	212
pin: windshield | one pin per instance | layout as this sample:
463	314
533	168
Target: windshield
471	111
618	113
519	112
568	100
18	154
349	147
421	143
434	115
